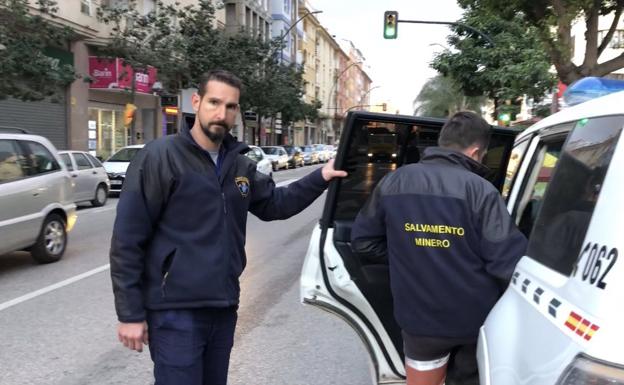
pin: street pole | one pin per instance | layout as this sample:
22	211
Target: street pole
283	35
466	26
364	95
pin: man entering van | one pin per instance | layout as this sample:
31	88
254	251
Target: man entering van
450	242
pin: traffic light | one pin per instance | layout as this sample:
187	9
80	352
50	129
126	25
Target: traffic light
384	106
129	114
390	24
504	119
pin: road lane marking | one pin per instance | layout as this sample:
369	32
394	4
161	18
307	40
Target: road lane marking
53	287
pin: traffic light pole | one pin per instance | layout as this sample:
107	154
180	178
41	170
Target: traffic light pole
483	35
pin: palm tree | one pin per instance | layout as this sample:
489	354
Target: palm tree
440	97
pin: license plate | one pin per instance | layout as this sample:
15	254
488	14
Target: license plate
116	182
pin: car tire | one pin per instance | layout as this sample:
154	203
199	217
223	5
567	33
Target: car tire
274	166
52	240
100	197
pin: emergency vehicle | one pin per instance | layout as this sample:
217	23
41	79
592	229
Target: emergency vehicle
560	320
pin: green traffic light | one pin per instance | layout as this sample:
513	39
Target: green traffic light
390	24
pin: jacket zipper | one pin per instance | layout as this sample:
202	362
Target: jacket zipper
163	284
224	203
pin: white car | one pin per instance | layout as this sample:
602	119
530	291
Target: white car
117	165
36	206
277	155
263	163
91	183
559	321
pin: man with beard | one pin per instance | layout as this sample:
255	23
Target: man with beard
178	242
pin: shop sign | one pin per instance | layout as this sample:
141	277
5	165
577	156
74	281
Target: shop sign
112	73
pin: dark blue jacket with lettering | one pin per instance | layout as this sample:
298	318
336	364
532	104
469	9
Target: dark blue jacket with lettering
449	241
179	235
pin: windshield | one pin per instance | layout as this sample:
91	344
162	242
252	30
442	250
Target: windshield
289	150
270	150
124	155
307	149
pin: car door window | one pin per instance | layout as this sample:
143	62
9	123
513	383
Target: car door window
39	159
10	161
517	154
94	161
81	161
253	155
560	228
539	176
67	162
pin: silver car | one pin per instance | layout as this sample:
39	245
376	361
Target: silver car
91	183
36	206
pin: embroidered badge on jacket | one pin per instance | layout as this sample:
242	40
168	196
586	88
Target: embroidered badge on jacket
243	185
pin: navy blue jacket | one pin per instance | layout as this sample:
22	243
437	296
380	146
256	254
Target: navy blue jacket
179	236
449	241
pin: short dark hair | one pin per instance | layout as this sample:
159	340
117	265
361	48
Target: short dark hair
222	76
465	129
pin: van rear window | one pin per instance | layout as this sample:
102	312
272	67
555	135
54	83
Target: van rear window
571	196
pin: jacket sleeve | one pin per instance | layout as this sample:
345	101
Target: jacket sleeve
502	244
269	202
368	234
138	209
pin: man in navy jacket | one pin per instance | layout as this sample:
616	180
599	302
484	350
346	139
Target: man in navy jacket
449	241
178	242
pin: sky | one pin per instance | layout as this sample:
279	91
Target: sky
399	67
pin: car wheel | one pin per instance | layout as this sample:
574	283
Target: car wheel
274	166
51	241
101	195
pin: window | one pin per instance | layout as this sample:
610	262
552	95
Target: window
85	7
10	167
517	154
67	162
564	217
81	161
616	42
254	154
287	7
539	177
39	160
94	161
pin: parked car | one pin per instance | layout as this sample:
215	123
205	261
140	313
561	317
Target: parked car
36	206
295	156
310	156
323	154
91	182
117	165
263	163
559	321
277	155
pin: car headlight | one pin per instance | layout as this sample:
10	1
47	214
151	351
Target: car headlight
370	154
585	370
394	155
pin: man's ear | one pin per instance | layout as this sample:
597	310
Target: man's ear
473	152
195	102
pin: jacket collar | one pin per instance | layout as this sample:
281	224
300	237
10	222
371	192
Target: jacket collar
454	158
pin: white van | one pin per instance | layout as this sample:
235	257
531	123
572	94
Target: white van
560	320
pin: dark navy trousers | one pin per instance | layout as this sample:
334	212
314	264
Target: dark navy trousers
191	347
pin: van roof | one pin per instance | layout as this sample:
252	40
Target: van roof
606	105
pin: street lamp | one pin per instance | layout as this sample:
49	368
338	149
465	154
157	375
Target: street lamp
331	90
364	95
285	33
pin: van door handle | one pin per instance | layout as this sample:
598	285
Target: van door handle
74	175
93	172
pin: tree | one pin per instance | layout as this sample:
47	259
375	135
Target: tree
182	43
441	97
516	65
552	21
26	72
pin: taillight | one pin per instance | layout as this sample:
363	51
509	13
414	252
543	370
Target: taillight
585	370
